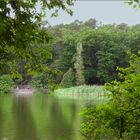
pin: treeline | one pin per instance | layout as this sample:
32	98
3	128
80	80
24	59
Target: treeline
75	54
103	49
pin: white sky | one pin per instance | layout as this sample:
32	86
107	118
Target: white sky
106	12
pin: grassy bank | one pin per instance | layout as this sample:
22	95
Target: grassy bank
81	92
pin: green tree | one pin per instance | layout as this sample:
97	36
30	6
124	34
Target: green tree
21	29
79	67
103	50
92	23
66	58
119	117
134	3
68	79
6	84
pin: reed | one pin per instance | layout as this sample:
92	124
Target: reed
84	91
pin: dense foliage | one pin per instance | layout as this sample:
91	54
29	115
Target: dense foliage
6	84
68	79
85	52
104	48
24	41
25	44
79	67
119	118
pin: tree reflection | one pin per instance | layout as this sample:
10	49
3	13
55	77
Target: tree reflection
62	120
38	118
1	116
24	121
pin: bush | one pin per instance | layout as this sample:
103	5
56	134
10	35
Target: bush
44	80
6	84
119	118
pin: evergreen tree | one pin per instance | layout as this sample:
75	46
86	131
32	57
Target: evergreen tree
80	80
68	79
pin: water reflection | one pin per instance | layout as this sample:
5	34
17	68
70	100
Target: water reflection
61	121
24	121
39	118
5	116
1	117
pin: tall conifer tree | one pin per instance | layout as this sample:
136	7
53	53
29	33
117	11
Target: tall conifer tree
80	80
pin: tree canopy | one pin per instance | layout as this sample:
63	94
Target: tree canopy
23	37
104	48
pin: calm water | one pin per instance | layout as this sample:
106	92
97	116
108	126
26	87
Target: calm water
40	118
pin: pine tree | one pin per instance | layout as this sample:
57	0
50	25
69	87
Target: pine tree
80	80
68	79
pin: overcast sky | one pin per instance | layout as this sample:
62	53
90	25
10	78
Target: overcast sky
106	12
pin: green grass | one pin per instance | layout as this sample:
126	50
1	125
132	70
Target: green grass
84	91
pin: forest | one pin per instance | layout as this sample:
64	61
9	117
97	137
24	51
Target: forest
100	62
102	48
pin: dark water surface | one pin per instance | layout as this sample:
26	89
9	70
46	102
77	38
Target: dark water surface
40	118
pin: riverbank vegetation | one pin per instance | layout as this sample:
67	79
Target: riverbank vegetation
83	92
82	53
75	59
25	43
88	53
6	84
119	118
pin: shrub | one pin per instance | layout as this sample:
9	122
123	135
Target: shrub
6	84
45	80
119	118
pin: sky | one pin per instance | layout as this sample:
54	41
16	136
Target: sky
107	12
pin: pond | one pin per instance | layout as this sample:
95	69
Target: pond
40	117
